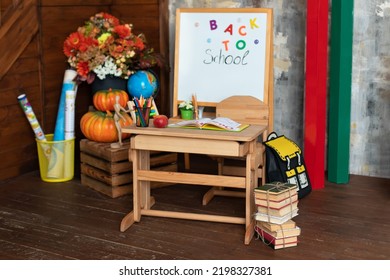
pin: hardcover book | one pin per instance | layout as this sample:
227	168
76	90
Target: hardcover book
275	191
275	219
284	245
276	204
278	211
278	234
276	243
274	227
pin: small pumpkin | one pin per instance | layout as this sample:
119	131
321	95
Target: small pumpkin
104	100
100	126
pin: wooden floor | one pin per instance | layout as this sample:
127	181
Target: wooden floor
41	220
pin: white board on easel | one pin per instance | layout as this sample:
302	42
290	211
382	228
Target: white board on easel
222	52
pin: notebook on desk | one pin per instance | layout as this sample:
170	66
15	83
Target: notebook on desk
219	123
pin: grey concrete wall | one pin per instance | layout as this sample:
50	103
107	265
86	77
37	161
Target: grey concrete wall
370	130
370	112
289	65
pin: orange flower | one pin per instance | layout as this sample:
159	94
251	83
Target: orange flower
123	31
83	69
117	50
111	19
87	42
139	44
71	43
74	39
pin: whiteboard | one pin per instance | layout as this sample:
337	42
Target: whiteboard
222	52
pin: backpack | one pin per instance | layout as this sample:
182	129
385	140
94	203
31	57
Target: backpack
285	163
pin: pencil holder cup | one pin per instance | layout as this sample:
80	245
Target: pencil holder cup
142	116
187	114
56	159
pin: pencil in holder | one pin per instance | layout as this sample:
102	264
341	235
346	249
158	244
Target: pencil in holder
142	116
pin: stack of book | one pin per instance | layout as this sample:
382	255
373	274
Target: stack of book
277	204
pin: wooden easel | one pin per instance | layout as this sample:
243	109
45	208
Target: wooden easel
220	88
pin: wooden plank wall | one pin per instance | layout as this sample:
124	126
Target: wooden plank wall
17	141
40	68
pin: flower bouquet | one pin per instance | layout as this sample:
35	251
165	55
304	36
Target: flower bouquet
186	105
106	47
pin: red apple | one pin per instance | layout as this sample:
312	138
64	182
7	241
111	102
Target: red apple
160	121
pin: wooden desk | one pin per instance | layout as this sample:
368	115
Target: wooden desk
192	141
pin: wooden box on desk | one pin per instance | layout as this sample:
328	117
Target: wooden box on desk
109	171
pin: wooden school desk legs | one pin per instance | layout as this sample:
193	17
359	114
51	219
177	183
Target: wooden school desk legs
143	202
127	221
251	183
141	189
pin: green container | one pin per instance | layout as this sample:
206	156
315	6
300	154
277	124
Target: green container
187	114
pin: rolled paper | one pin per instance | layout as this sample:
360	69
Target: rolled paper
55	170
68	84
70	98
68	158
56	163
29	112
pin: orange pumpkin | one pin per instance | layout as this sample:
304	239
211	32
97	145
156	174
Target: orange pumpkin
104	100
100	126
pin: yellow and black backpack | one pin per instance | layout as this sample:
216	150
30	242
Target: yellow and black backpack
285	163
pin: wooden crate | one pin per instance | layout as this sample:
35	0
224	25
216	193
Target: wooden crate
109	171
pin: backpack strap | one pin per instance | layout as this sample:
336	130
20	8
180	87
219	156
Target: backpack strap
272	135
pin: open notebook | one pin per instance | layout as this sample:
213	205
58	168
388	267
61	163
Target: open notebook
220	123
